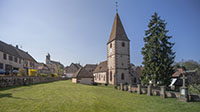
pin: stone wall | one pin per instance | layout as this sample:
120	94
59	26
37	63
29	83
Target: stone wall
155	91
8	81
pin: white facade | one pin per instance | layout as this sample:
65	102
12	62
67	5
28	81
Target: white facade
100	77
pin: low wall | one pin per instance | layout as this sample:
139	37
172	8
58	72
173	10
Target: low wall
8	81
154	91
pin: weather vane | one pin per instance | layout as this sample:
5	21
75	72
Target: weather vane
116	6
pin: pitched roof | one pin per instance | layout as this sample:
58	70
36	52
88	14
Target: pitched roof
178	72
57	63
82	73
90	67
102	67
118	32
42	66
25	55
9	49
72	68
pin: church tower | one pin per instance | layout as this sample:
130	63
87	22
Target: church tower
118	54
48	58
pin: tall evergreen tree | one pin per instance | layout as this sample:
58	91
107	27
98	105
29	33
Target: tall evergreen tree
158	56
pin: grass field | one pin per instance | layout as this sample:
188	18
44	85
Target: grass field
64	96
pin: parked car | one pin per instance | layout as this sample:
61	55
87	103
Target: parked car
2	71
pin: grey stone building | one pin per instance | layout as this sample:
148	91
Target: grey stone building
83	76
70	70
54	66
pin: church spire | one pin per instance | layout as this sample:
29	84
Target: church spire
118	32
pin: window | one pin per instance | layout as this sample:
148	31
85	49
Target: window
123	44
110	75
10	58
19	61
4	56
99	77
1	65
110	45
135	80
122	76
104	78
16	59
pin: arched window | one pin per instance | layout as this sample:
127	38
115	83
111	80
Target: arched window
110	45
122	76
123	44
110	75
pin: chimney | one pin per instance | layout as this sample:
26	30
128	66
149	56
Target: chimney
17	46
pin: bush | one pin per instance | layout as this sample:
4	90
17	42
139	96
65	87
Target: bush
22	72
32	72
54	75
194	89
43	75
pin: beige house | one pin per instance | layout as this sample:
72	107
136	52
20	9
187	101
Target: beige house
43	69
83	76
13	58
100	73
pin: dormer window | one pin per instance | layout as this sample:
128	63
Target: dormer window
123	44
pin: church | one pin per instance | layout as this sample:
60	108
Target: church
117	69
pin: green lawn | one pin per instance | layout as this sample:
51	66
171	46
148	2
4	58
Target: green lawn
64	96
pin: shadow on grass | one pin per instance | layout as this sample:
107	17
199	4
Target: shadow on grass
9	95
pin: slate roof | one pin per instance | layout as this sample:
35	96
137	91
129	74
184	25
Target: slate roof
102	67
8	49
72	68
82	73
11	50
25	55
57	63
90	67
118	32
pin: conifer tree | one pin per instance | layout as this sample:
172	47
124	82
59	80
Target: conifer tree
158	56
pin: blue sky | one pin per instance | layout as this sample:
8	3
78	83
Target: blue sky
78	30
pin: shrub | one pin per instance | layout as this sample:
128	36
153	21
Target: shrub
54	75
22	72
32	72
43	75
194	89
